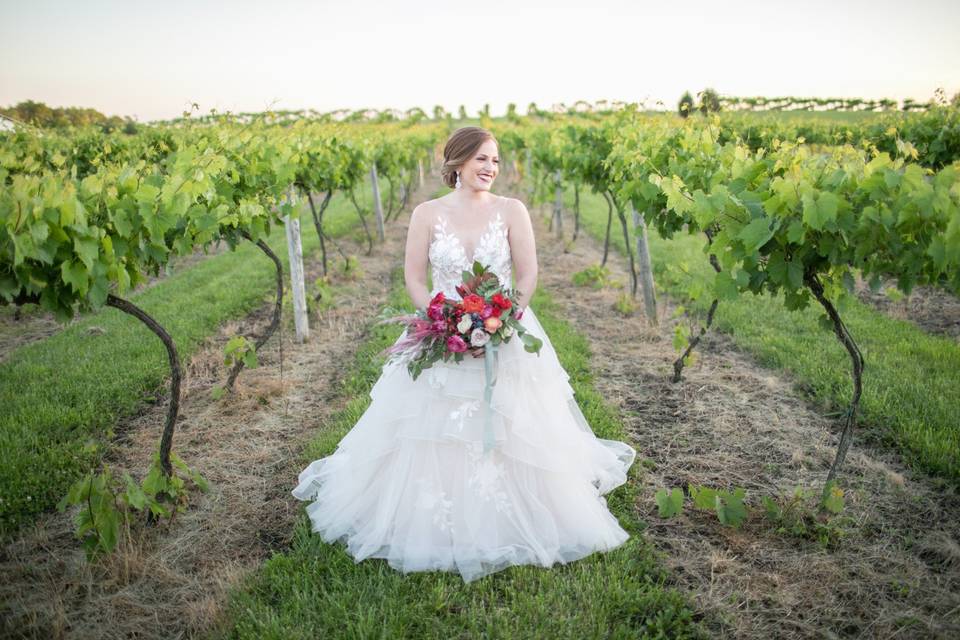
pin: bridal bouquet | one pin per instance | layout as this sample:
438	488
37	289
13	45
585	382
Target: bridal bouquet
486	316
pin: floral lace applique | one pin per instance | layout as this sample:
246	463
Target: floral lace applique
433	498
464	411
448	257
487	476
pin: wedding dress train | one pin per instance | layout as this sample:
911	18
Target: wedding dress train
411	483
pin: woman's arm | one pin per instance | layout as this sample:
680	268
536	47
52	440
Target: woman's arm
523	250
415	257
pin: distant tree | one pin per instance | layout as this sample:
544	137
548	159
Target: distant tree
39	114
909	104
685	105
955	100
462	113
709	101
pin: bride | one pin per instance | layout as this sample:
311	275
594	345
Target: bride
410	482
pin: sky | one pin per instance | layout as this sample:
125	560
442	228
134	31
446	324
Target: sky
151	60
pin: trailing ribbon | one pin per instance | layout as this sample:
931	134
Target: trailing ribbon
491	358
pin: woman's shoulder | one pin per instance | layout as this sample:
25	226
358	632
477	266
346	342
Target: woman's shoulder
514	205
424	214
514	211
430	211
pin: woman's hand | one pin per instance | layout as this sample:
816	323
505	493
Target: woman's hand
477	351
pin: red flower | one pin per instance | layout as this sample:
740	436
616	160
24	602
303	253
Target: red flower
501	301
473	303
437	299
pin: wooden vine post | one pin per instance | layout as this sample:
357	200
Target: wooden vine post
295	252
558	204
377	204
646	271
528	162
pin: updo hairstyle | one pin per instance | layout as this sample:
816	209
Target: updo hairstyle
461	146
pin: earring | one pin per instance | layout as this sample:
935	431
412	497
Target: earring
458	179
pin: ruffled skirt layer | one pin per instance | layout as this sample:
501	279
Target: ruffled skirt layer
410	482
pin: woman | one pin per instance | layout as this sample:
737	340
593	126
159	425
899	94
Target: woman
410	482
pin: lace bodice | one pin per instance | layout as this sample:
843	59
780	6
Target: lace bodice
448	257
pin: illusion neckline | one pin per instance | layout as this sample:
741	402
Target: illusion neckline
441	226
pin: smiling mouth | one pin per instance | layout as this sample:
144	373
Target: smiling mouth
485	177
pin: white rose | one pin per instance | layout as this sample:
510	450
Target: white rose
465	323
479	337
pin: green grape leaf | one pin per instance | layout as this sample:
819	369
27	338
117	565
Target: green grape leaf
135	495
87	249
724	286
756	234
703	497
730	508
74	274
833	500
818	212
669	504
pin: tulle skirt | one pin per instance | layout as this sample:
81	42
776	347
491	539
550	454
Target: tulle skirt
411	483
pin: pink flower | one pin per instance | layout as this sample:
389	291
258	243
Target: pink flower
479	337
439	326
486	312
456	344
435	312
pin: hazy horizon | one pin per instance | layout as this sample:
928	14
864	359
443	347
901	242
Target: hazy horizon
152	62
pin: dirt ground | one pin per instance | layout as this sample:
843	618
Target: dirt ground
889	565
890	568
931	308
172	581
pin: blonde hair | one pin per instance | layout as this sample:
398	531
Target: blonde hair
460	147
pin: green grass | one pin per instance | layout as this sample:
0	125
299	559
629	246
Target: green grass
68	390
911	395
317	590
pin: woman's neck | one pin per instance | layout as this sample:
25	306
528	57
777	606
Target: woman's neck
475	199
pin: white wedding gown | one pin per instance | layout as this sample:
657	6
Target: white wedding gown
410	482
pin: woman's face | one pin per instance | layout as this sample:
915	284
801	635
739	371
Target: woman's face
481	170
